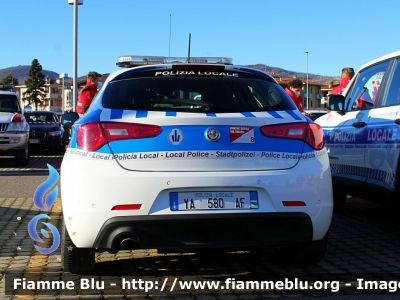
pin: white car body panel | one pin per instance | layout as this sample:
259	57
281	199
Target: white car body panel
87	192
6	117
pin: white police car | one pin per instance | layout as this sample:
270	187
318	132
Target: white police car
153	166
362	134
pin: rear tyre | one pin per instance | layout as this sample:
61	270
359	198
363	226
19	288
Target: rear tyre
73	259
22	156
339	198
306	252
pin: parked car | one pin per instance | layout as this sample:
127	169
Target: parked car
59	115
155	168
14	130
362	134
67	121
45	131
315	114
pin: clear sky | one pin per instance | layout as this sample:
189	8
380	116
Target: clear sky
337	34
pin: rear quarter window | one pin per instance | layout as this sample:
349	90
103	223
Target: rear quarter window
242	92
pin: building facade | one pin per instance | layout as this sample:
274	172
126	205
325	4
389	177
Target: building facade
58	95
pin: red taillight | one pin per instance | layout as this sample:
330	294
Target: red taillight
18	118
293	203
92	136
315	136
127	207
310	133
122	131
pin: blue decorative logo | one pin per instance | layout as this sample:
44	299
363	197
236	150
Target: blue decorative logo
175	136
45	205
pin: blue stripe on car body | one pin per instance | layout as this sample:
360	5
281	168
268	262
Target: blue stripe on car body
170	114
293	115
275	114
116	114
192	141
141	113
248	115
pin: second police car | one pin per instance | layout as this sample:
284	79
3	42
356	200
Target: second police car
362	134
185	156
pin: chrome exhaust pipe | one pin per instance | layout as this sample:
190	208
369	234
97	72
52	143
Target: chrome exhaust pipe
127	243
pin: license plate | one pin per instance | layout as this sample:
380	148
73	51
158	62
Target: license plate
213	200
34	141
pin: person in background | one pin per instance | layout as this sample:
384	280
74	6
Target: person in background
293	90
347	75
88	92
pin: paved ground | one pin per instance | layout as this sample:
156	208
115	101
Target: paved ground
364	243
17	182
37	165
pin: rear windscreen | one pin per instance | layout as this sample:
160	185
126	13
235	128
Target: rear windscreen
236	93
9	103
38	117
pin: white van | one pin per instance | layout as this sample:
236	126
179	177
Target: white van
362	133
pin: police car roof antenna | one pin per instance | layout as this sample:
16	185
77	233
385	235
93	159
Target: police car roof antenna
190	35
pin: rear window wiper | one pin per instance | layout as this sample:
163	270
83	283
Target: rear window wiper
206	104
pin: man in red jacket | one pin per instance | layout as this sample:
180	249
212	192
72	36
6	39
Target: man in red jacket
347	75
293	90
88	92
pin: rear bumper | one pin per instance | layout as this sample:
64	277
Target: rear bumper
13	141
206	231
104	185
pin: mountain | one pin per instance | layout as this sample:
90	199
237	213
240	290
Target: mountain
278	72
21	73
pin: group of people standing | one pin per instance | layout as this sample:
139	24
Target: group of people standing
296	85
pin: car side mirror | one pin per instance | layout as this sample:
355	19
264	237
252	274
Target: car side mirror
336	103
